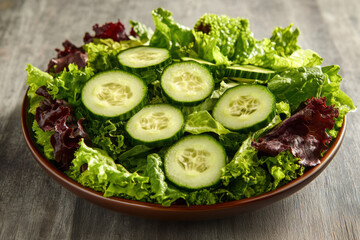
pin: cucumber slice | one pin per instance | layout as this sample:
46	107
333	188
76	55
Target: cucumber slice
250	72
245	108
187	83
218	71
114	94
143	58
156	125
211	66
195	162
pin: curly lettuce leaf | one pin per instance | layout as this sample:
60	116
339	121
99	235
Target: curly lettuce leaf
283	168
43	139
246	156
102	52
107	135
280	52
201	122
94	168
169	34
246	176
253	182
285	40
69	83
216	36
161	192
36	78
334	96
143	32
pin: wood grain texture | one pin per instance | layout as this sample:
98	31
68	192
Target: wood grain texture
33	206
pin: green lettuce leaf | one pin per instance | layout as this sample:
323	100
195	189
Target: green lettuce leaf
169	34
93	168
142	31
201	122
283	109
43	139
334	96
246	156
283	168
285	40
253	182
69	83
66	85
280	52
294	86
107	135
161	191
232	141
36	78
102	52
216	36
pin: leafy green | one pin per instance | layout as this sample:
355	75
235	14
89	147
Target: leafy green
246	156
283	168
102	174
66	85
201	122
134	152
285	40
43	139
294	86
35	79
253	182
161	191
107	135
202	197
283	109
280	52
102	52
207	105
69	83
246	176
334	96
142	31
115	167
232	141
216	36
169	34
217	93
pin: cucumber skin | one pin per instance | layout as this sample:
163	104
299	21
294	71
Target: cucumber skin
184	104
161	142
187	188
237	73
255	126
188	104
160	65
123	116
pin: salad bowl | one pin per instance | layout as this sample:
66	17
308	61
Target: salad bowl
175	211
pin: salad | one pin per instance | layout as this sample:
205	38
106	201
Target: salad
182	115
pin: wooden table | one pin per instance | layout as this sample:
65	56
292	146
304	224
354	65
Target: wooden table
33	206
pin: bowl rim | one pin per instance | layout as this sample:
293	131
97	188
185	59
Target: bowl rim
97	197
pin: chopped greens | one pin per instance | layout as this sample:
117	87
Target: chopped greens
98	152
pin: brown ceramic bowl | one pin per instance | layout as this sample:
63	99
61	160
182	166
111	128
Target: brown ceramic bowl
175	212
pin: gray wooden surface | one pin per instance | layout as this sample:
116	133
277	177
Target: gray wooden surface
33	206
